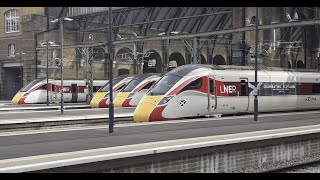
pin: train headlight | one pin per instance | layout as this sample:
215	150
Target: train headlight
165	100
26	94
106	95
130	95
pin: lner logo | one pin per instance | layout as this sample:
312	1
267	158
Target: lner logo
228	89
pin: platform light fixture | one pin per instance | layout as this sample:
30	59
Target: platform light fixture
61	22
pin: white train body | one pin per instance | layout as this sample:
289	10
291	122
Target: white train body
198	90
73	91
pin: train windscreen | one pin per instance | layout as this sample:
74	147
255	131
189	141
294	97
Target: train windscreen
106	87
164	85
134	83
30	85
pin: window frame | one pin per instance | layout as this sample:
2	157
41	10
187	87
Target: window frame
12	21
189	87
11	50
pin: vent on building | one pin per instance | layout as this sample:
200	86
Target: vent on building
27	18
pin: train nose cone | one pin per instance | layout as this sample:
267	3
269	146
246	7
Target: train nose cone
17	97
145	108
121	96
96	99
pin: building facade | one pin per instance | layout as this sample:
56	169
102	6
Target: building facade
17	47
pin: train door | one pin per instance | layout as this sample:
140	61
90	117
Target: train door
50	91
74	93
54	94
243	95
212	94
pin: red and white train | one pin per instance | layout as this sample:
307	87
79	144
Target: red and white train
36	91
101	99
200	90
132	93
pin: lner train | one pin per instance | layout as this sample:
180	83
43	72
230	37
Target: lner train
132	93
201	90
101	99
36	91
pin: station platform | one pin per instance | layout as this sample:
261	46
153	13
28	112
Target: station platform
224	144
45	116
10	107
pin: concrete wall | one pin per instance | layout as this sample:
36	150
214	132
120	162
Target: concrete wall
256	156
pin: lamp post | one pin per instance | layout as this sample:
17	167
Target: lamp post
111	108
61	20
47	73
89	79
255	70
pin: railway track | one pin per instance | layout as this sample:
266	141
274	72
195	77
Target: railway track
312	165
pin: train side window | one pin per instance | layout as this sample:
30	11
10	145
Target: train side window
53	88
315	88
148	85
95	88
120	88
243	88
211	85
196	84
43	87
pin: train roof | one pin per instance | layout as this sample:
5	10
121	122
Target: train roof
185	69
144	76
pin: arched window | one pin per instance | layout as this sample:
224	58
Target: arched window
11	50
12	23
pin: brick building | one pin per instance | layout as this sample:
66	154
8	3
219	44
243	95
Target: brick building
17	47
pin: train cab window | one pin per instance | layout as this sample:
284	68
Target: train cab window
148	85
30	85
196	84
121	87
164	85
43	87
315	88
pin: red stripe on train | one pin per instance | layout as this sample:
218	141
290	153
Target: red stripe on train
156	114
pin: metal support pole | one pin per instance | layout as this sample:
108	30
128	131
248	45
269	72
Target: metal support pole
61	65
167	52
111	108
47	72
87	78
21	63
305	47
47	56
90	85
135	69
194	51
255	70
